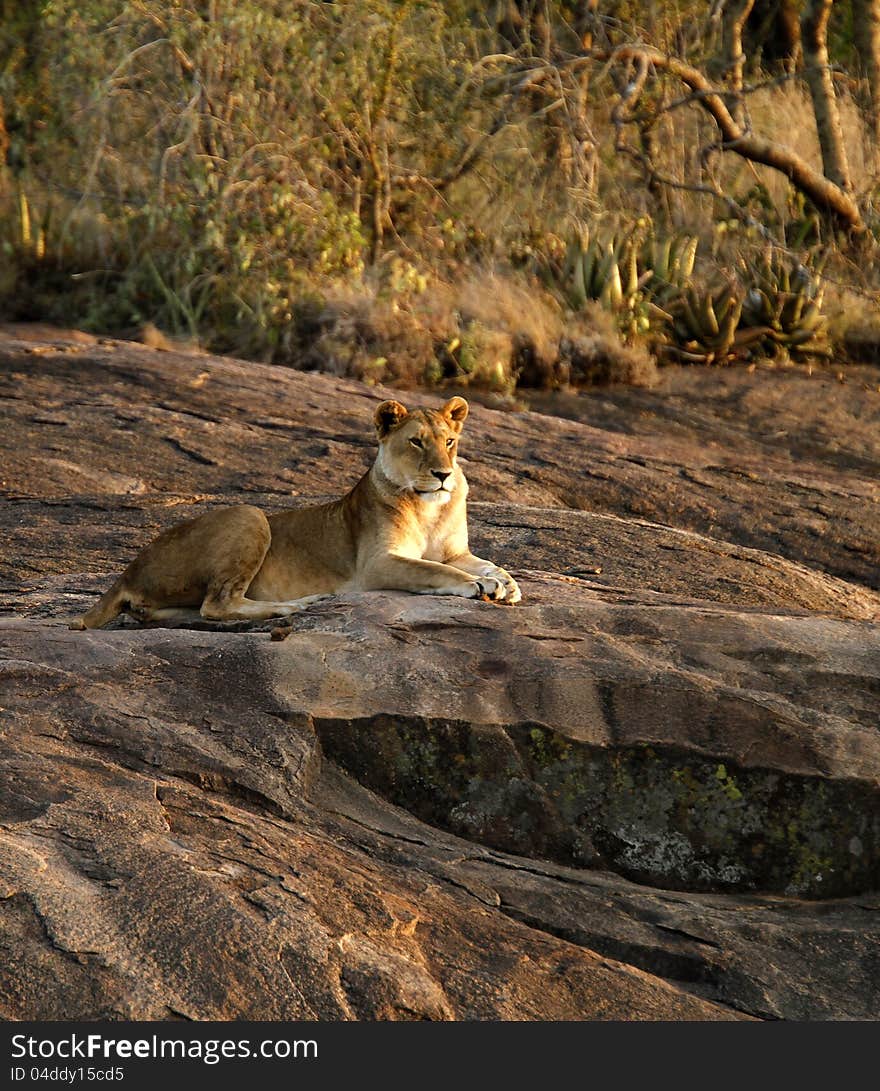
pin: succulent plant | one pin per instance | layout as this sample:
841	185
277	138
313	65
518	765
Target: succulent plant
705	327
26	240
634	274
644	280
784	300
592	269
670	261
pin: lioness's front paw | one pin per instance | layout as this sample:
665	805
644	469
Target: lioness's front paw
511	587
491	588
512	593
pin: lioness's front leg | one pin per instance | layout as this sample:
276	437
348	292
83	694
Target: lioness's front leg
475	566
396	573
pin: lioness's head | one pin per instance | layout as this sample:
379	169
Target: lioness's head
417	450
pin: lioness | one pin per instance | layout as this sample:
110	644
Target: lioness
402	527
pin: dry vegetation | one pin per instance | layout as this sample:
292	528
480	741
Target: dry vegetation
391	189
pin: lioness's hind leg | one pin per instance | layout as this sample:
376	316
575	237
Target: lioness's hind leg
226	598
233	571
221	550
226	608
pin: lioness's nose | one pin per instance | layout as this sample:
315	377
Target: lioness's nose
441	475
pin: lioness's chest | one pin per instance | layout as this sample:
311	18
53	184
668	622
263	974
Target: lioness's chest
427	532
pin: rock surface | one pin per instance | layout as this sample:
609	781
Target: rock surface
617	800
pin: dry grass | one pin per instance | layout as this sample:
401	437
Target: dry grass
854	326
593	353
492	333
519	308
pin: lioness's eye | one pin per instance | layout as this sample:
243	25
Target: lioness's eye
416	443
450	442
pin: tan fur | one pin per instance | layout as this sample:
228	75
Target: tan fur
402	527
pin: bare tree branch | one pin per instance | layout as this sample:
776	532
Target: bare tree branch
824	193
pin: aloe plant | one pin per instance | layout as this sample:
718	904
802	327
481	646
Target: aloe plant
669	260
596	267
784	301
645	280
633	274
706	327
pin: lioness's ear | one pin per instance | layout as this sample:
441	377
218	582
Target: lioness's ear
387	416
456	411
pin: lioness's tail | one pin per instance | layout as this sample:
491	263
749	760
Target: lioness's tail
107	607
